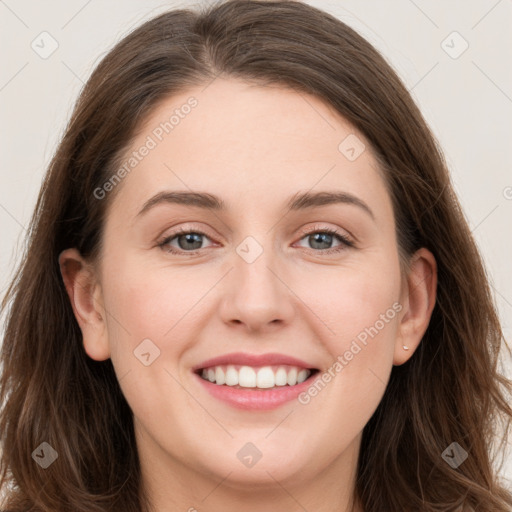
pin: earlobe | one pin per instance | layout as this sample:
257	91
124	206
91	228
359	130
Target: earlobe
418	300
85	296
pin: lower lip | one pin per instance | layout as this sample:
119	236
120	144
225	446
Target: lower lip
255	398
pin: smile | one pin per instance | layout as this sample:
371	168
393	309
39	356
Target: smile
265	377
255	381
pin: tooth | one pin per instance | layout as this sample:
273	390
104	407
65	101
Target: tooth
280	377
231	376
220	377
265	377
302	376
292	377
247	377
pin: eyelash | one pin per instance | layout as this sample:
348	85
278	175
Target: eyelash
345	241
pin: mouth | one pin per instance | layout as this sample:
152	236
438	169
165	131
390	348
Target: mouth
254	382
270	377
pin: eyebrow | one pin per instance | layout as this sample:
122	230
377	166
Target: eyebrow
299	201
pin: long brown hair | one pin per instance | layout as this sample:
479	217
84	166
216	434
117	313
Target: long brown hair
449	391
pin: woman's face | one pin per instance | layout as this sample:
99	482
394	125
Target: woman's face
255	283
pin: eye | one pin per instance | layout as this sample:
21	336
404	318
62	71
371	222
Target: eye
320	237
186	239
189	241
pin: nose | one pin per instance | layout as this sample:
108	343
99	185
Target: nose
256	295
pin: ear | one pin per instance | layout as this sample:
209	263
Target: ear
418	299
86	300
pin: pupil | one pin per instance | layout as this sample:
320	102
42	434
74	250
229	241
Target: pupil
190	239
317	238
321	235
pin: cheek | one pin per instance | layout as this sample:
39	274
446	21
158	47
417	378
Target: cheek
145	305
146	299
149	322
351	386
361	308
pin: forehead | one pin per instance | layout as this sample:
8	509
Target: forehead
248	144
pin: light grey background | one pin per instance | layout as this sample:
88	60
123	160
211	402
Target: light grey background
466	99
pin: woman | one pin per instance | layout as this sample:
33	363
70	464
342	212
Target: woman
256	369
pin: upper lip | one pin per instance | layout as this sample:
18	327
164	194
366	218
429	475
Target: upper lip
243	359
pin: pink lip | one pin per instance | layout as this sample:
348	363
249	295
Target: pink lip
255	399
252	360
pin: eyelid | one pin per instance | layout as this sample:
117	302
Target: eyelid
347	241
183	230
319	227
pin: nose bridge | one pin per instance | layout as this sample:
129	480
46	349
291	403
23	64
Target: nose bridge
257	295
254	267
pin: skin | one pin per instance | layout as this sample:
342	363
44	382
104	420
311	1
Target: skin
254	147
